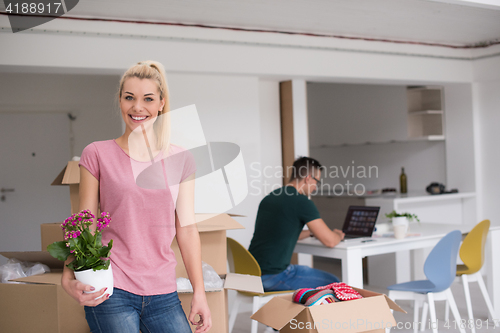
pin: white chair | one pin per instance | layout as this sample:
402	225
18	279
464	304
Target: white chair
241	261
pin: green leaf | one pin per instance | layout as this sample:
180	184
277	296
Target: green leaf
92	261
75	243
87	235
92	250
104	252
102	266
79	264
72	242
98	241
74	265
59	250
81	242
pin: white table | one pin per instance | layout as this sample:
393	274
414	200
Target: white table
351	253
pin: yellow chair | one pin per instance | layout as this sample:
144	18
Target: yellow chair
241	261
472	255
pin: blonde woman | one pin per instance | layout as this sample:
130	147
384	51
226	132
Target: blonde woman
145	219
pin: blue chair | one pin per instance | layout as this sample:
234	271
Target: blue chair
440	269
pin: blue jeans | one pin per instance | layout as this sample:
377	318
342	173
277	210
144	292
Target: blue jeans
125	312
296	277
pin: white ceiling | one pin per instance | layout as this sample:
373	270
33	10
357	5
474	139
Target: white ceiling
451	22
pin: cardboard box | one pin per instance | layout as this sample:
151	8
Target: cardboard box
212	229
217	298
41	305
70	175
51	232
369	314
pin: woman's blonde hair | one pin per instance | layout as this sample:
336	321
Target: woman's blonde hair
155	71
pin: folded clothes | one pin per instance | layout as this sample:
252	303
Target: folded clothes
342	291
331	293
309	297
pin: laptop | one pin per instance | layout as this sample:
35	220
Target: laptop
360	222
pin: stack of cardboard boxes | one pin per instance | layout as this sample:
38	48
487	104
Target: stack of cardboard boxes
41	305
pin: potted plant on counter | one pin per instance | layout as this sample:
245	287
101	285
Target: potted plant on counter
91	257
400	222
401	218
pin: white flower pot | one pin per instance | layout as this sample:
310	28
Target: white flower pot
98	279
400	231
403	220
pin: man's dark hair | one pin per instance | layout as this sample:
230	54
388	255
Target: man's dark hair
303	167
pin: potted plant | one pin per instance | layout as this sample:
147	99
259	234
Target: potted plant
400	222
401	218
91	257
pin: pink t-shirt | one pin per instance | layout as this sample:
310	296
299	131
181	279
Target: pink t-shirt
141	205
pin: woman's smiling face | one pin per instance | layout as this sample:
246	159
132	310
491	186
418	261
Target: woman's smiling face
140	102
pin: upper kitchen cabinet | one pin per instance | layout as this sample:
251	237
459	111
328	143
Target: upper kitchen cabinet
425	113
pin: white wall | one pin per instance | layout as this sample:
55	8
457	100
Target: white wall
486	95
90	99
267	175
224	56
424	162
228	107
342	113
459	131
488	103
355	114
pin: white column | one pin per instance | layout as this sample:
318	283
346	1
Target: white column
301	138
493	269
300	125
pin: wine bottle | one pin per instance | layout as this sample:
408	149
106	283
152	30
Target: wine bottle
403	182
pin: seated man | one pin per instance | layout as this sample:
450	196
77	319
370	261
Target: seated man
280	222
